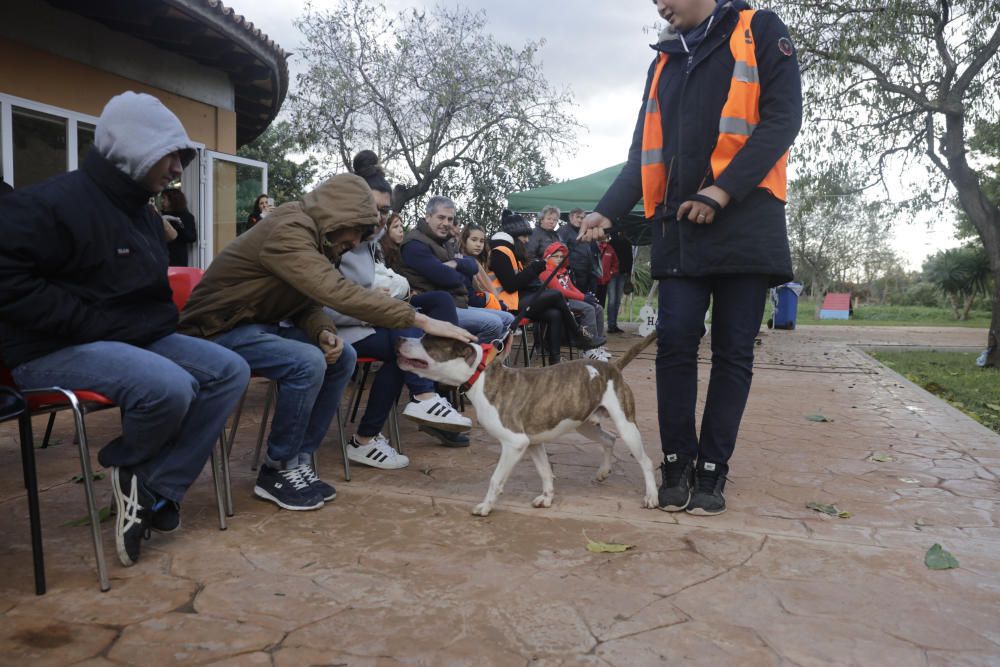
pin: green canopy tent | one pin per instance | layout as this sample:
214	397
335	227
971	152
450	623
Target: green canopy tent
584	192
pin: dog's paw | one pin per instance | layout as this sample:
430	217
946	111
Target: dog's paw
542	501
482	509
602	475
651	501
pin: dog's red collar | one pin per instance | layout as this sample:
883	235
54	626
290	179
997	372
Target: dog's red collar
489	354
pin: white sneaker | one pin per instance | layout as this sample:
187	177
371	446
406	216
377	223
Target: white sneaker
605	354
593	353
436	411
378	453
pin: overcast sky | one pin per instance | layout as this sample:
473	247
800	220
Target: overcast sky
599	49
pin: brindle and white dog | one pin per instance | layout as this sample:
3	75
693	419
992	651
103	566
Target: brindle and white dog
524	408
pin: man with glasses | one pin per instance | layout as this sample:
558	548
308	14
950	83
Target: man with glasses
263	298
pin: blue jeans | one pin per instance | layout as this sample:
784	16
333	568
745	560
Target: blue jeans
175	396
616	289
309	389
485	324
737	310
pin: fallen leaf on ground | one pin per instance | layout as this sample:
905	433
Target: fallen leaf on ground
881	458
909	480
919	524
104	514
606	547
830	510
937	558
818	418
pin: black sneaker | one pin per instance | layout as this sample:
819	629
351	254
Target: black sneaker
446	438
132	513
709	481
165	516
677	475
614	330
287	489
324	489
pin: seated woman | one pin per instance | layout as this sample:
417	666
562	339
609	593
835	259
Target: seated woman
435	414
482	293
585	306
522	291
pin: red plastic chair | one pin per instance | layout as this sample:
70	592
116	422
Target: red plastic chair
49	401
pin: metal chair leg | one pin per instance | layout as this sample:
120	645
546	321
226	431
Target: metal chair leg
397	441
272	390
34	514
48	431
220	494
227	481
358	389
343	445
236	422
88	485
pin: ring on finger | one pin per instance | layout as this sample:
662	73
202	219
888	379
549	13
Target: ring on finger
701	216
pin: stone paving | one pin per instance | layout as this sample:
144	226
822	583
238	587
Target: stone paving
397	571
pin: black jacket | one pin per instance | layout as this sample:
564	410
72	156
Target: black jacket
83	259
583	259
187	233
749	236
512	280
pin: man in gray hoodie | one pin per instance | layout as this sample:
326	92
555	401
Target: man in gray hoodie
86	304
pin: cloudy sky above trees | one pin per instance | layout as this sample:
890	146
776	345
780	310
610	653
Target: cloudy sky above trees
599	49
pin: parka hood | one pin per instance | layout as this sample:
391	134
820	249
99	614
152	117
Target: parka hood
342	202
553	248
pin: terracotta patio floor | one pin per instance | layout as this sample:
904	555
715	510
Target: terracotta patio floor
397	571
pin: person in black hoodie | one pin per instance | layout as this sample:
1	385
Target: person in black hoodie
174	208
86	304
721	107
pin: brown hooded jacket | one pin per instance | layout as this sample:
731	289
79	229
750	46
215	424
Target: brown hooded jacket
281	270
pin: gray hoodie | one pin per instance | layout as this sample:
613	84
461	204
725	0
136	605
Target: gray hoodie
136	130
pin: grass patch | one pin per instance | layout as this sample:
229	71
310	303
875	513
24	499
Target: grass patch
864	315
876	315
954	377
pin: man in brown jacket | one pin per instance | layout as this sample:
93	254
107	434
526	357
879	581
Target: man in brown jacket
263	298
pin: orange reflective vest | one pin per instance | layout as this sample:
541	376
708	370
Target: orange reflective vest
740	116
509	298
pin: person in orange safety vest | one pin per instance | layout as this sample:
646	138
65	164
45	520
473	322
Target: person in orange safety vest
721	107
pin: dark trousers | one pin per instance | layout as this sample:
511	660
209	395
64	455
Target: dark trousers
389	380
737	310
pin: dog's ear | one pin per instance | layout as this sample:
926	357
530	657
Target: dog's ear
470	354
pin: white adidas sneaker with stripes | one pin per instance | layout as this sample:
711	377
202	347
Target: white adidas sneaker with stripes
436	411
378	453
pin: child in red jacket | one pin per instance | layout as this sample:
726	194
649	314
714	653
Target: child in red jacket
584	306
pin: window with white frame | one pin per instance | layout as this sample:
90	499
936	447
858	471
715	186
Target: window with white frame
38	141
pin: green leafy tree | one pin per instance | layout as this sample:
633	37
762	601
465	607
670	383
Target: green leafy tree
287	179
961	274
837	236
898	83
428	91
508	163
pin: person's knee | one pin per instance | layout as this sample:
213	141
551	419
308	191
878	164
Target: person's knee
166	395
233	370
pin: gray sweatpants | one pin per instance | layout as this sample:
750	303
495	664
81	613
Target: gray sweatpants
591	317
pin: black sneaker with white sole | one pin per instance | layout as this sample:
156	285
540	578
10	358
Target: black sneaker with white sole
709	482
165	516
288	489
132	514
324	489
446	438
677	478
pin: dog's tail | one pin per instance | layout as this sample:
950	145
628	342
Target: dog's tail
633	352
